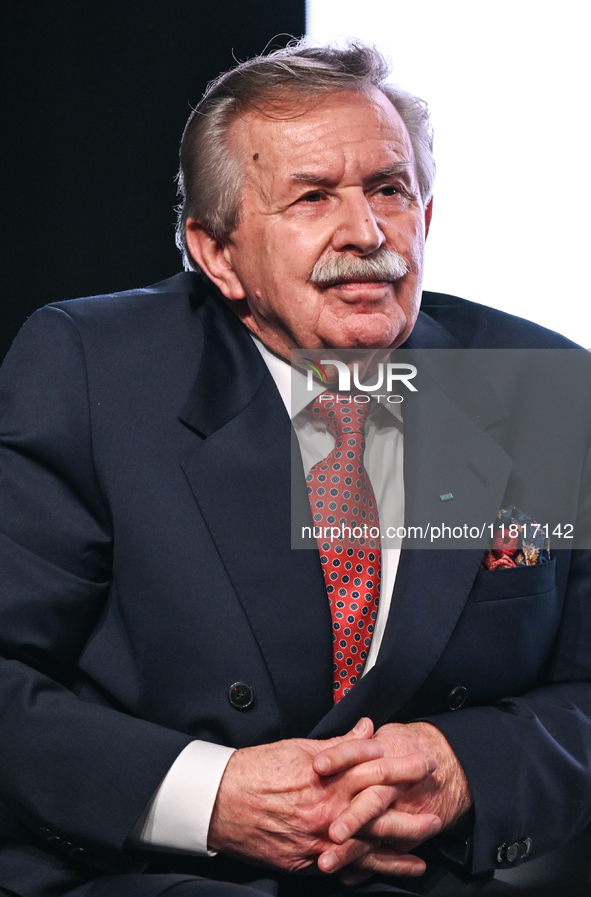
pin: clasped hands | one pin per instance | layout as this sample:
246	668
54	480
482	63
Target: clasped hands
356	804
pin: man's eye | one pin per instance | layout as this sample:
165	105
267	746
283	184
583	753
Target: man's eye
389	190
311	197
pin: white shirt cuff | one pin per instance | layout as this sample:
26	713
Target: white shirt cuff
178	816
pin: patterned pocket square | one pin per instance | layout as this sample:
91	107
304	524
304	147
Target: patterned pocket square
518	542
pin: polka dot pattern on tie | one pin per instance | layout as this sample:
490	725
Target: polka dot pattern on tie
342	498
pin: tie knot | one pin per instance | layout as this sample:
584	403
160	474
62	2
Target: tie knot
341	414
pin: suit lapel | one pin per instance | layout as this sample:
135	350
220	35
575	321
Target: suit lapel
239	473
446	450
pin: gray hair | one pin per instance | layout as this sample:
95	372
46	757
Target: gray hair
211	176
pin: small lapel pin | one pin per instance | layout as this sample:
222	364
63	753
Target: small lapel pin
447	496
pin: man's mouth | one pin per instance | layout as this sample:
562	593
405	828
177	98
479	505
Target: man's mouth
361	284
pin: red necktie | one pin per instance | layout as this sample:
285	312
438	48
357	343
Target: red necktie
342	498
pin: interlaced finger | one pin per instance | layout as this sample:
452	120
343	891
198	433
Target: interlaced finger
342	855
347	754
384	860
376	786
408	829
389	771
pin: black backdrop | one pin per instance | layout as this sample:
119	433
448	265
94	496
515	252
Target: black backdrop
95	97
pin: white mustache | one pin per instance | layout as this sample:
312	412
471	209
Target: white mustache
384	264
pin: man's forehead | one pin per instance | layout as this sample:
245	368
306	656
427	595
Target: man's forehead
306	129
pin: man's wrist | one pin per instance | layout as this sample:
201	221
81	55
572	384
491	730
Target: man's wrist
178	816
455	789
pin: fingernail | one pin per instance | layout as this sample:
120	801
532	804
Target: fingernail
360	726
340	832
322	764
418	869
329	862
431	763
435	826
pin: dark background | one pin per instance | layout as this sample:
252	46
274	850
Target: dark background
95	96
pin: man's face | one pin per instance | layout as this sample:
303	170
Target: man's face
337	182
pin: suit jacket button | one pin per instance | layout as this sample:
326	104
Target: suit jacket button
80	854
513	852
456	697
241	695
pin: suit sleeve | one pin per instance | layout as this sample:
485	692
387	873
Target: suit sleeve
528	758
80	770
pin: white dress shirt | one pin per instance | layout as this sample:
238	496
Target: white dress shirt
178	816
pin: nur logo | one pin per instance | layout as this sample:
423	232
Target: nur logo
389	372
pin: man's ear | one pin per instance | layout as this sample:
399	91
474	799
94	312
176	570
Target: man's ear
428	214
213	259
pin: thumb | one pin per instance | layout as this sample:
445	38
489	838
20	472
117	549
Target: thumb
362	729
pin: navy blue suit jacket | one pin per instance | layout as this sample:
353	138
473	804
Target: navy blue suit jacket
146	566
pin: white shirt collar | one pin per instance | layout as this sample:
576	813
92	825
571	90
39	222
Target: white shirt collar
286	376
282	373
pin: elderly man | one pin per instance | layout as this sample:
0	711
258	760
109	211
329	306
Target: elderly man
177	713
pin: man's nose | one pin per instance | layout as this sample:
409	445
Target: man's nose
357	229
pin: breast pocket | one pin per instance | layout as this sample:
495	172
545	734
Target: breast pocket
514	582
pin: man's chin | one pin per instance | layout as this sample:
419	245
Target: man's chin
368	331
